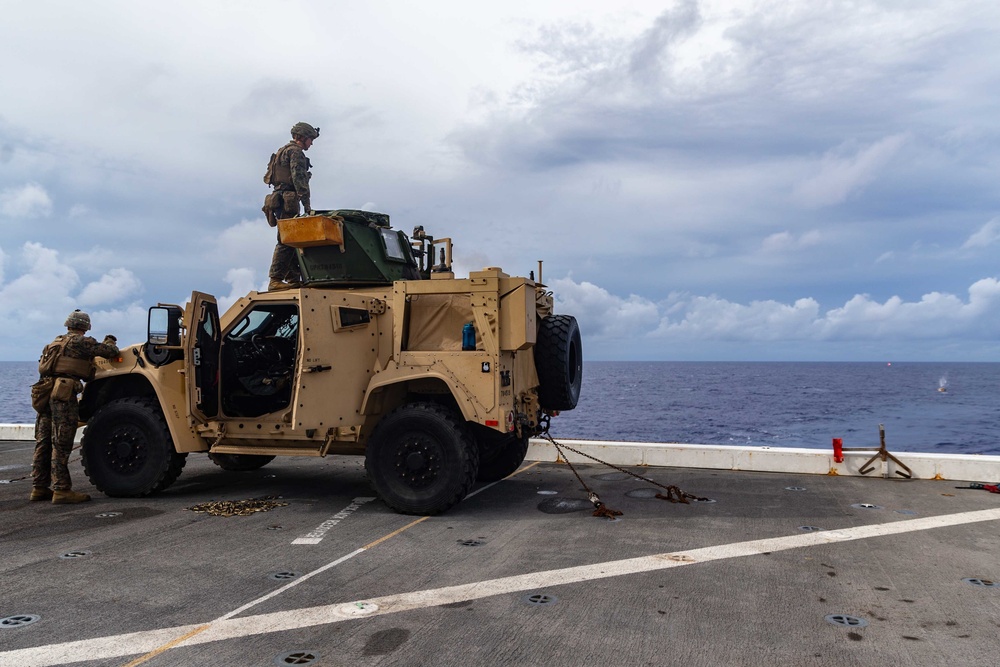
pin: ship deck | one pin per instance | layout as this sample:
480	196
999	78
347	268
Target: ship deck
775	568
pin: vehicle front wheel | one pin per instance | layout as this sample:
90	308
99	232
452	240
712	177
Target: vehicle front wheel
421	459
127	450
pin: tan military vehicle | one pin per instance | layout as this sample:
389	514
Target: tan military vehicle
437	381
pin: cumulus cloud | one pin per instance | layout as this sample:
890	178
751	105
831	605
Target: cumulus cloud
28	201
683	318
113	286
241	281
247	244
44	287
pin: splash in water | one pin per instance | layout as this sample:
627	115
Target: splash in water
943	383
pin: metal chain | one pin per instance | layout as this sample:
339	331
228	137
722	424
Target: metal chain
600	509
674	493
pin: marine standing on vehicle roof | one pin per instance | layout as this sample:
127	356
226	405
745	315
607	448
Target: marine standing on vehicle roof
288	172
64	365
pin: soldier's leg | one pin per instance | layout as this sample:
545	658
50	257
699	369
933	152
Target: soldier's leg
41	464
65	418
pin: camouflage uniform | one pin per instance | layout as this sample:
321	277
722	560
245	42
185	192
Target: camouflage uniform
57	422
289	173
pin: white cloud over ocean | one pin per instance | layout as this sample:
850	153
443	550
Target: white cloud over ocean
703	178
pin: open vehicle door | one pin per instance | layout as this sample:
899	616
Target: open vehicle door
201	357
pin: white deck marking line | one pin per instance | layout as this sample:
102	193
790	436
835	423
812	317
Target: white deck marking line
230	628
316	535
199	629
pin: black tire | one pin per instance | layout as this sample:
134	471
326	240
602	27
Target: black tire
127	450
421	459
500	454
559	362
240	462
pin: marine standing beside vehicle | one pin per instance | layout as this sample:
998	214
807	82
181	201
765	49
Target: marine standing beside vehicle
288	173
65	364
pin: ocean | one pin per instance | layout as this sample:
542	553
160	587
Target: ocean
794	404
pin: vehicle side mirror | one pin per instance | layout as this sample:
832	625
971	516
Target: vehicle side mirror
164	327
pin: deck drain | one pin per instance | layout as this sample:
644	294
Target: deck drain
540	599
810	529
18	621
471	543
612	476
275	527
547	493
642	493
283	575
988	583
107	515
866	506
564	505
846	621
74	554
702	500
795	488
297	658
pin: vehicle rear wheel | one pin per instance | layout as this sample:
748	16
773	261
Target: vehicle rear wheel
500	455
127	449
559	361
421	459
240	462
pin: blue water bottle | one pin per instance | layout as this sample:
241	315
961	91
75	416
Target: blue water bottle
468	337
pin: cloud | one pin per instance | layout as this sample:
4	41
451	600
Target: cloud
786	241
241	281
247	244
28	201
842	173
985	236
46	287
113	286
624	322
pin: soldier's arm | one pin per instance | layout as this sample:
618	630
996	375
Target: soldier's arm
300	176
108	348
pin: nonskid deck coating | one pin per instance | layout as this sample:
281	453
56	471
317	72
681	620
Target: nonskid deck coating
737	580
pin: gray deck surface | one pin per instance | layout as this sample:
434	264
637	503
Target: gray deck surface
158	566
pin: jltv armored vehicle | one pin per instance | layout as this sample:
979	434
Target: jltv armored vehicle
437	381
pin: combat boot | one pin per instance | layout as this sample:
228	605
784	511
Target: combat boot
67	497
276	285
41	493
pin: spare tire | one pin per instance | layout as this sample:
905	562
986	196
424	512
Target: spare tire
559	362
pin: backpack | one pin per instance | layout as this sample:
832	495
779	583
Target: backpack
50	356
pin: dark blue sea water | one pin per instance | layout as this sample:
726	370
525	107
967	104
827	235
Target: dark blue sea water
774	404
791	404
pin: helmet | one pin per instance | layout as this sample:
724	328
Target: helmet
78	320
305	130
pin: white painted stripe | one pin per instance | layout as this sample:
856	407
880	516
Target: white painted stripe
228	627
316	535
294	582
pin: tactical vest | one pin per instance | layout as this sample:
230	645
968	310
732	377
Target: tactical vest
54	363
278	174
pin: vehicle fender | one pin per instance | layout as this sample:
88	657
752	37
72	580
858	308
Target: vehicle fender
396	385
119	379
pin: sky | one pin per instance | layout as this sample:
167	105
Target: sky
776	180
